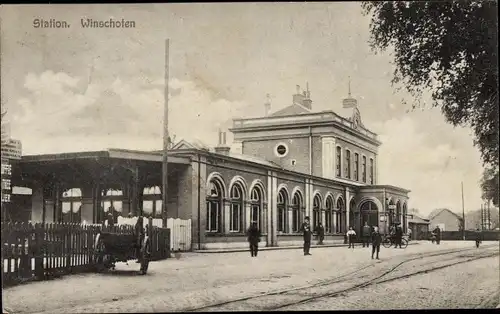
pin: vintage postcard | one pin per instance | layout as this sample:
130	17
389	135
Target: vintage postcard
249	156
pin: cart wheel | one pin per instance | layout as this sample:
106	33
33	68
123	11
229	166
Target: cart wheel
404	243
99	255
144	258
387	243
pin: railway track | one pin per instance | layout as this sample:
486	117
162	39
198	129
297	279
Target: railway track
351	275
378	280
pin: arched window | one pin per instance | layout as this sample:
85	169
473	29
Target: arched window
215	196
391	213
71	206
236	211
282	211
296	212
256	205
363	169
339	214
111	202
356	166
398	212
372	167
347	164
152	202
316	210
352	213
405	218
328	215
338	161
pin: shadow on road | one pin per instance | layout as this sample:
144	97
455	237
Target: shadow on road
121	273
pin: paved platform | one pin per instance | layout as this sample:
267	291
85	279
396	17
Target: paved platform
290	247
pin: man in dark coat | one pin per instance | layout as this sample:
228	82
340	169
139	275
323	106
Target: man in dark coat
253	233
437	232
479	237
376	238
366	233
111	220
306	229
139	234
320	230
398	236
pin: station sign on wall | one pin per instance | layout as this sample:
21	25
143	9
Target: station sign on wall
12	149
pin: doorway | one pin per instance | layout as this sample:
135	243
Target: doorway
369	214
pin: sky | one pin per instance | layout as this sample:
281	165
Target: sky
82	89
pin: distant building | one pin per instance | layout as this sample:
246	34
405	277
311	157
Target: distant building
419	227
446	220
282	167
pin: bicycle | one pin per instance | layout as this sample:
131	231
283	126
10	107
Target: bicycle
387	242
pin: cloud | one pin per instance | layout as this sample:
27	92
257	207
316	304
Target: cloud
56	116
433	172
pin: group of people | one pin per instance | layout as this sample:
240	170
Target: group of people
369	235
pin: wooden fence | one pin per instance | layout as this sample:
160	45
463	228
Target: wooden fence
43	251
180	231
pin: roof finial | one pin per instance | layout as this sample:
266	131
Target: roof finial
349	86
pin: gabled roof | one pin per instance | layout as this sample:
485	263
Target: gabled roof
418	220
291	110
438	211
194	144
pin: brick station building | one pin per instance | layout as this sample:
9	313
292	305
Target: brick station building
281	167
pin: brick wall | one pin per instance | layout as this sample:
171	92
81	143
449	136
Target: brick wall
298	150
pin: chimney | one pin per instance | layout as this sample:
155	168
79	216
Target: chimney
298	98
307	102
267	105
222	147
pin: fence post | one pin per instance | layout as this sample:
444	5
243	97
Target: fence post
39	251
25	262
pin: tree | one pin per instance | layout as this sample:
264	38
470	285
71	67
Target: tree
451	49
489	185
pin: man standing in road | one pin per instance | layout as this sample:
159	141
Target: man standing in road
253	238
366	234
350	237
398	236
437	232
376	240
479	237
320	230
306	229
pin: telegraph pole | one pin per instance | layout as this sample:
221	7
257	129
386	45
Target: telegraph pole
489	215
166	140
482	217
463	213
